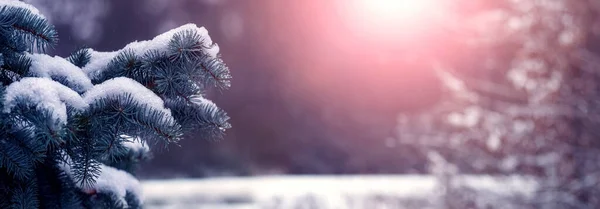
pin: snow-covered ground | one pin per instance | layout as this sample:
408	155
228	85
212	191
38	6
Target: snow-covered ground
322	192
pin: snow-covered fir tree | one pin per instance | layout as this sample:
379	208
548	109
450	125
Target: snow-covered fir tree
532	110
72	130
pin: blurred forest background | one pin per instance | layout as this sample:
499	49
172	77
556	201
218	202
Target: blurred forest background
488	86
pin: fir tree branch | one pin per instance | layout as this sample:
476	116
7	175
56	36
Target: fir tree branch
34	150
85	168
186	46
15	161
125	64
81	57
133	118
40	123
31	28
25	195
216	73
196	113
14	68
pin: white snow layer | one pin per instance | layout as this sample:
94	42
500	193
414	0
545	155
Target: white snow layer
122	85
110	181
160	43
98	62
43	65
323	192
20	4
135	143
118	182
46	94
200	100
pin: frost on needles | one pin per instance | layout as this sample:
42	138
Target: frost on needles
73	130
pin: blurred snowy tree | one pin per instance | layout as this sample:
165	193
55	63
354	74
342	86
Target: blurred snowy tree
72	130
530	108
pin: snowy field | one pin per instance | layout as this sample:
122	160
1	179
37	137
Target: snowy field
325	192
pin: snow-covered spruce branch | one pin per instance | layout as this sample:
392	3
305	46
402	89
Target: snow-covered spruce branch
72	130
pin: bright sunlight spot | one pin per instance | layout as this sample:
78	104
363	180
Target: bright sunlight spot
393	17
394	10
